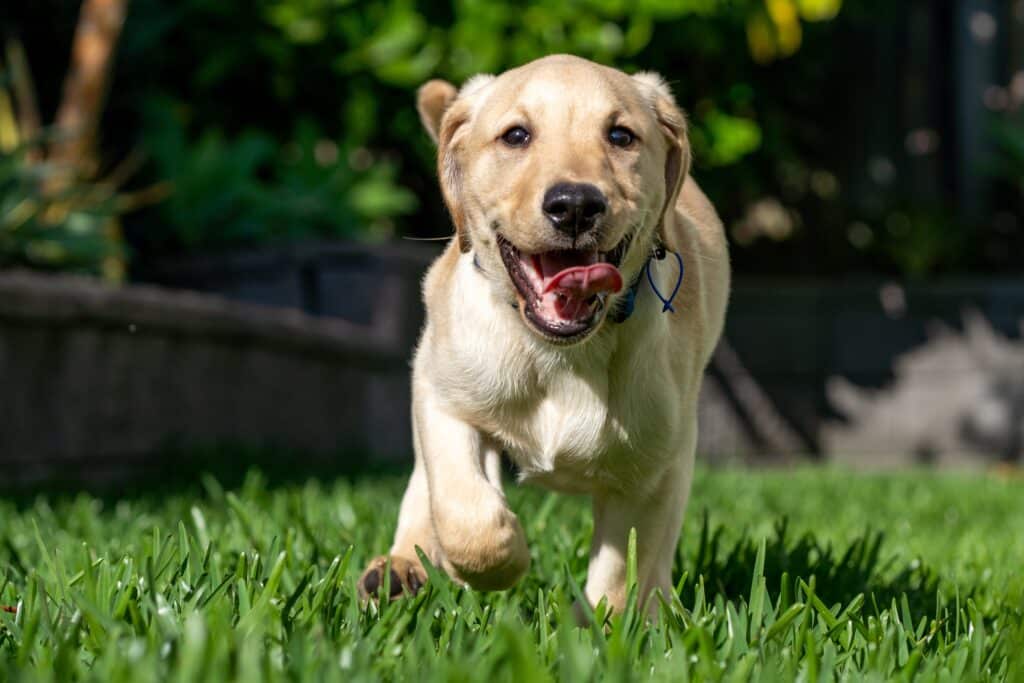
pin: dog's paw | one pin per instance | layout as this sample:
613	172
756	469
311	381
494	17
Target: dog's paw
406	577
491	555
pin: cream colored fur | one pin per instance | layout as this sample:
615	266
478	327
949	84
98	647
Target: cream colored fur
613	416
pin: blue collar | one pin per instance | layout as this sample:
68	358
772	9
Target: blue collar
628	302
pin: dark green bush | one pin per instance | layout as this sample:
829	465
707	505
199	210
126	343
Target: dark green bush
252	88
1008	133
74	230
248	189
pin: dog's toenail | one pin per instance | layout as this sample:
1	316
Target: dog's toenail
396	583
372	582
414	581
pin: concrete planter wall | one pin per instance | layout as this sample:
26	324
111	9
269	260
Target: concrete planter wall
376	286
96	379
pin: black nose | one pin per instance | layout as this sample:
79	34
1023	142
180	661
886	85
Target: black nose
574	208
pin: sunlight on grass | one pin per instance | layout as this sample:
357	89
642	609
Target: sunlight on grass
816	574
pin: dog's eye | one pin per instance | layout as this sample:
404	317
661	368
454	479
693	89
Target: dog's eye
620	136
516	136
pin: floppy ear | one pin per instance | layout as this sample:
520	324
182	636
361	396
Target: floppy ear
444	112
432	100
673	126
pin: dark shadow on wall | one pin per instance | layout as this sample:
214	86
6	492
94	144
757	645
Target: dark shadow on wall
874	374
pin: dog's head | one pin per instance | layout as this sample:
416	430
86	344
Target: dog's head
557	175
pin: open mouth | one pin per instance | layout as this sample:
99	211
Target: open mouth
562	292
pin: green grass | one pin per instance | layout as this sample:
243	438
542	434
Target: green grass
809	574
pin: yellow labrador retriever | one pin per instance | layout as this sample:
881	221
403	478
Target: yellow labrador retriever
546	338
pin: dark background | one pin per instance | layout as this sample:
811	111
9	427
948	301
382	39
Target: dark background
883	139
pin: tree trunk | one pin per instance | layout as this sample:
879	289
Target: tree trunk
92	58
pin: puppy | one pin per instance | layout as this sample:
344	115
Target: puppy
544	338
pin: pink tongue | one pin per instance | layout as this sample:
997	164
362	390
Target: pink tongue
576	285
585	281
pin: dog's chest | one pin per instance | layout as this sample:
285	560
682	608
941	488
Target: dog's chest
569	421
573	426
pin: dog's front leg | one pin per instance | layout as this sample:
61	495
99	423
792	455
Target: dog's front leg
480	538
656	512
454	509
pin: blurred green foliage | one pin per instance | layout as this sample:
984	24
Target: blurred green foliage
254	89
51	218
69	231
249	190
1008	133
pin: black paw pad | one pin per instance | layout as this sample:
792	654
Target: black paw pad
396	584
371	582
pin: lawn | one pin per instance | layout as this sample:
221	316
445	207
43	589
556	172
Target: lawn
810	574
